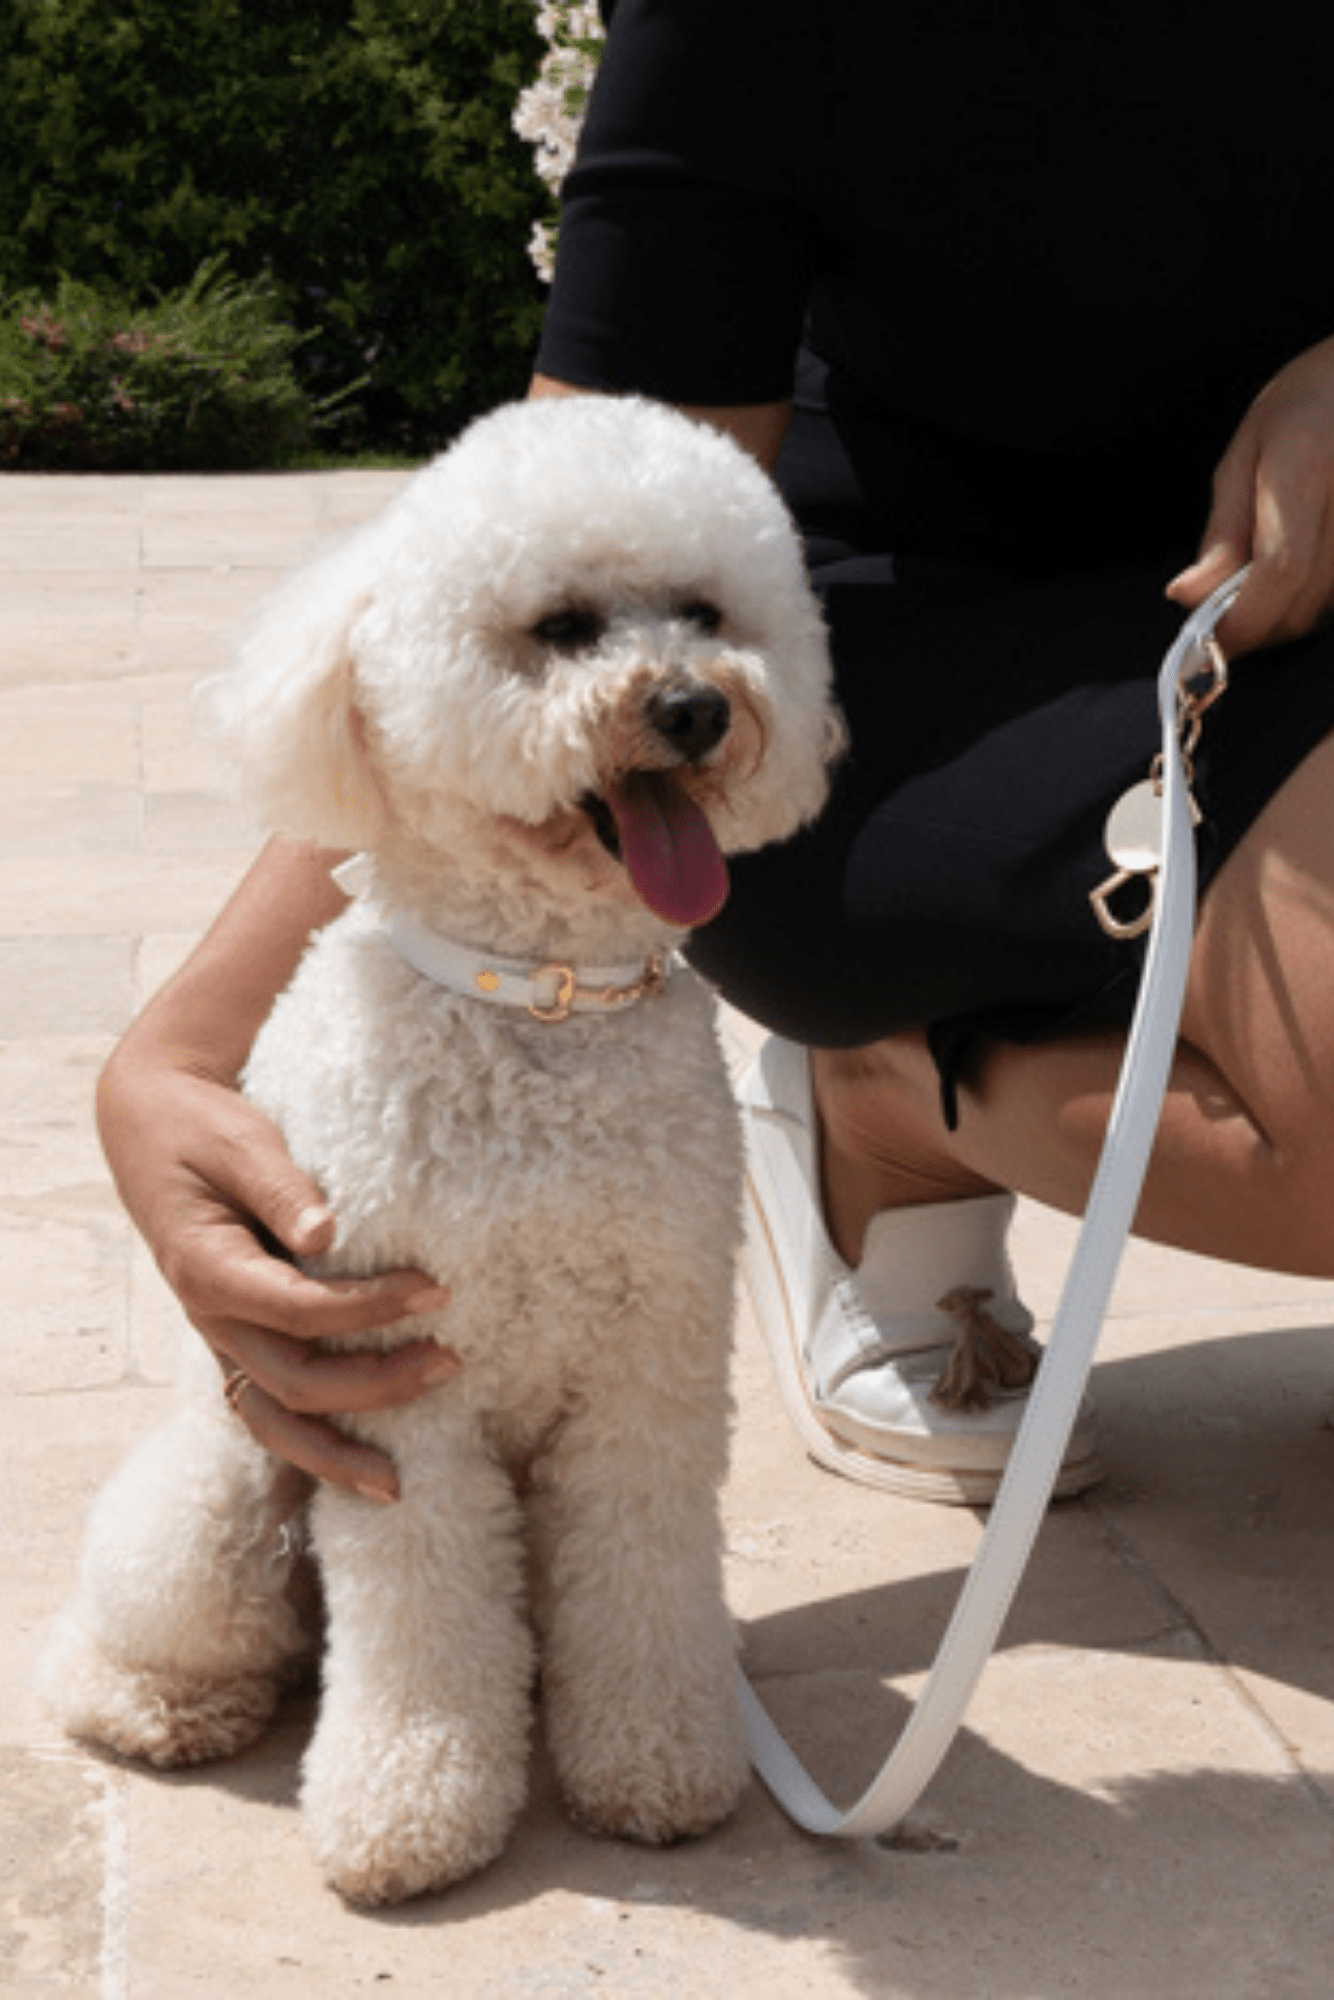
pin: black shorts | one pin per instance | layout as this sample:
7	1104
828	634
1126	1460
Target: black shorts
994	722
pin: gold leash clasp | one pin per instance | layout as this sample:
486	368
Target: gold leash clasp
1133	834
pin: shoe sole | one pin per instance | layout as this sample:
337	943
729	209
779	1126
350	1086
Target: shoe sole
773	1306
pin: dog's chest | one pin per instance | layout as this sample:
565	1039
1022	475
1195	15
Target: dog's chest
550	1175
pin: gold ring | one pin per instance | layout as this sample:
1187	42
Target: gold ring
233	1388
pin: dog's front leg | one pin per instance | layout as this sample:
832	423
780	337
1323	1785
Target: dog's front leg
638	1661
418	1766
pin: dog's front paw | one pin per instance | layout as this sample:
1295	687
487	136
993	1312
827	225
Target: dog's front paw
416	1808
658	1777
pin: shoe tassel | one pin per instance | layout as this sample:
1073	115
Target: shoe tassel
985	1359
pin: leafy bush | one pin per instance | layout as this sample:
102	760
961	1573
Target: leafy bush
357	153
202	379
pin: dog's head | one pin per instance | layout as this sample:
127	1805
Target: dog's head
583	631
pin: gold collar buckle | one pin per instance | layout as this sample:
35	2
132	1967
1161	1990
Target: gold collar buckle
563	1000
568	991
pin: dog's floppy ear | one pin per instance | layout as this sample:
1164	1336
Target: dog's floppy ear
285	712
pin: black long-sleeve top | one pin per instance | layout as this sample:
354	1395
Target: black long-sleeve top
1049	249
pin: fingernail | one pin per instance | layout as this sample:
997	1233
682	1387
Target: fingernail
311	1219
428	1301
378	1494
443	1368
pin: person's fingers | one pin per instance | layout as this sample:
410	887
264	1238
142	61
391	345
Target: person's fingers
1193	584
1273	507
1285	591
248	1163
290	1491
1284	540
220	1272
311	1383
1226	542
313	1447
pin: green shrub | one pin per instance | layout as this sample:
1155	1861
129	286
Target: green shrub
357	153
201	380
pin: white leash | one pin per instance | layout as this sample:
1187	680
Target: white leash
1041	1444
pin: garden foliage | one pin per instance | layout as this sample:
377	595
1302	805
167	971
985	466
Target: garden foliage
203	378
357	155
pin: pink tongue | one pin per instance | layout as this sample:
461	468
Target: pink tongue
668	848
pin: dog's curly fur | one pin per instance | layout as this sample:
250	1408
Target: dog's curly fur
454	690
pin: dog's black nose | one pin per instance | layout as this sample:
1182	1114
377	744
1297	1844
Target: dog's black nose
689	716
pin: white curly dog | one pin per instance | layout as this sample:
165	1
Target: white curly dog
573	663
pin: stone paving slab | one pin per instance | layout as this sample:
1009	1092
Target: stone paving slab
1142	1800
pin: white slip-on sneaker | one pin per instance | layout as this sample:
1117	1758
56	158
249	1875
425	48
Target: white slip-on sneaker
911	1372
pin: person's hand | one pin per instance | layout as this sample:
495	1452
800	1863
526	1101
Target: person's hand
1273	506
205	1177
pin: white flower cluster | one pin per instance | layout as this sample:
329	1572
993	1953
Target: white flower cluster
550	111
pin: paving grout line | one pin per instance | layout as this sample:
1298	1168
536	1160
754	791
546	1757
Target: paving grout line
139	601
114	1795
1318	1312
114	1963
1184	1620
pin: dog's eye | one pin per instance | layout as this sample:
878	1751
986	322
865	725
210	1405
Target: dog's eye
701	613
569	630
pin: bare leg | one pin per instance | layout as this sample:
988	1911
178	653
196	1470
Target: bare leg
1244	1164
